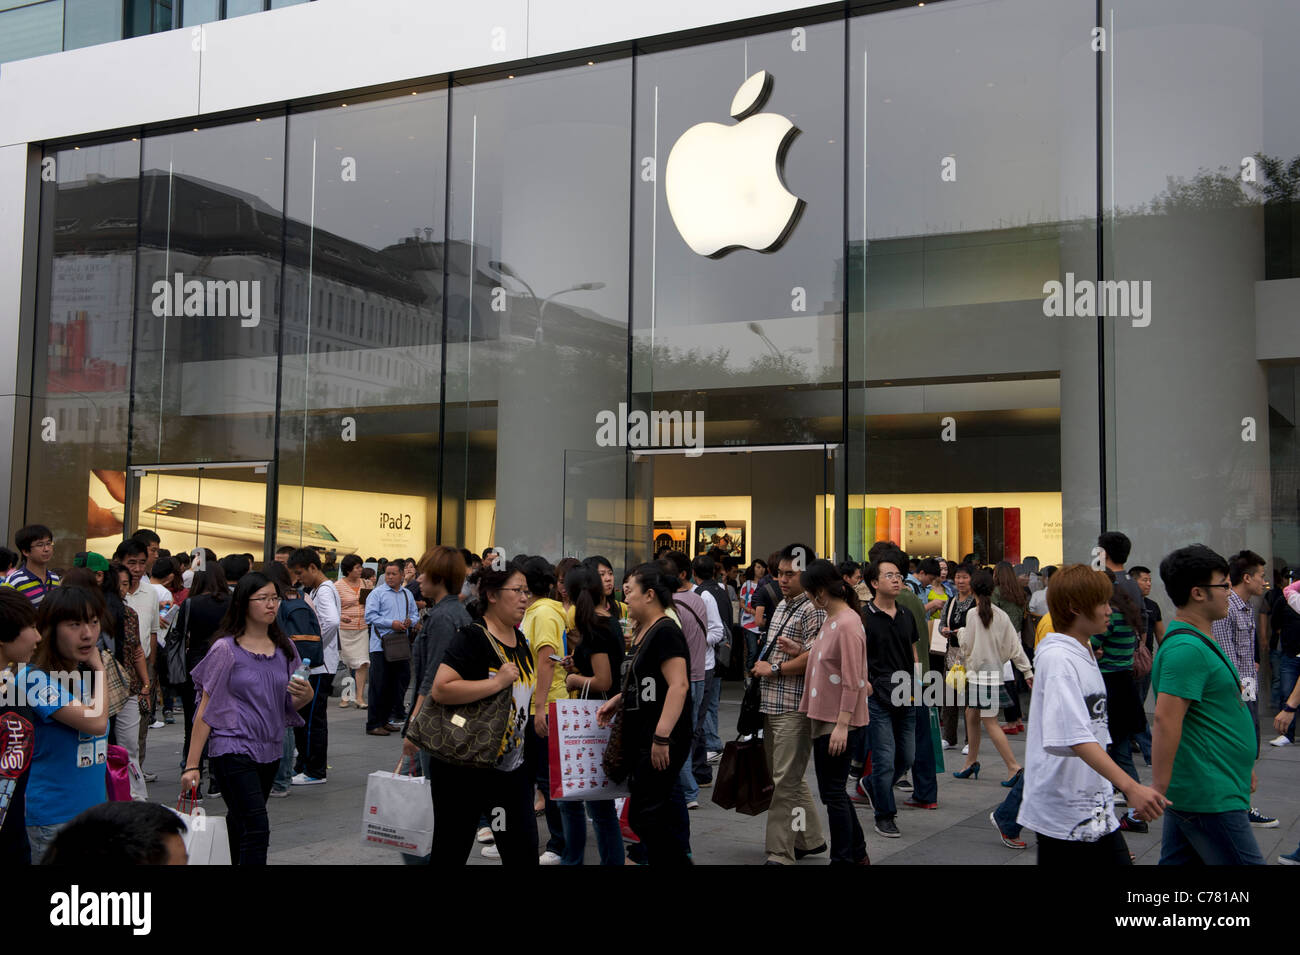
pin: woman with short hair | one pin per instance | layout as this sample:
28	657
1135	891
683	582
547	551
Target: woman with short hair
354	637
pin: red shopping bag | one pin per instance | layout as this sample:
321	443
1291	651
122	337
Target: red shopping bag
575	750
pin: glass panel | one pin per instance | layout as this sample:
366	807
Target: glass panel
31	31
276	4
1202	146
237	8
80	399
363	324
91	21
973	417
207	302
748	344
537	302
200	11
219	508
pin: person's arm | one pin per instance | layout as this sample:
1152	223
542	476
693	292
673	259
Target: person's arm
760	615
328	614
93	719
1147	802
1016	653
599	681
198	739
713	620
1166	734
674	671
450	689
1282	722
376	608
545	673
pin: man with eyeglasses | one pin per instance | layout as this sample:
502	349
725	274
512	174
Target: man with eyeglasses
1235	634
891	663
389	610
1203	747
32	577
794	827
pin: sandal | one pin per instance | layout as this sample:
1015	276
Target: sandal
344	704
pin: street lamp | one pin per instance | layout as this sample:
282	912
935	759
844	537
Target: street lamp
507	271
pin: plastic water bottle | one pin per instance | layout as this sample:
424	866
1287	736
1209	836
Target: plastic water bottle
303	671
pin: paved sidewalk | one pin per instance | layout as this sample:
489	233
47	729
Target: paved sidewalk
322	824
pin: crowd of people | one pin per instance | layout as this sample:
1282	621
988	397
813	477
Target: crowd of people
870	671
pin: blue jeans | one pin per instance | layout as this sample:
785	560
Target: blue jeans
690	785
925	782
1289	667
1275	670
712	697
893	745
604	819
284	775
1144	738
40	837
1208	838
1006	813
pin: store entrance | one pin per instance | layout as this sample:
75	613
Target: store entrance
751	501
221	506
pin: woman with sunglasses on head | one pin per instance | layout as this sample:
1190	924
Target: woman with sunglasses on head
657	732
480	661
835	700
248	693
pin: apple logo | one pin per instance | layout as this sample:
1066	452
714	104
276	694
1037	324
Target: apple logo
723	183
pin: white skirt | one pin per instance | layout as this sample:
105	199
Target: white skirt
354	647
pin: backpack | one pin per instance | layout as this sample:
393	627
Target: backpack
301	626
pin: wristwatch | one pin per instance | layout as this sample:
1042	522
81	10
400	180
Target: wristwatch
776	669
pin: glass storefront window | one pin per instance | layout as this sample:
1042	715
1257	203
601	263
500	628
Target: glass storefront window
88	22
360	393
76	479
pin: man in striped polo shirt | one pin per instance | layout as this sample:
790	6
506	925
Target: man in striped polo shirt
32	578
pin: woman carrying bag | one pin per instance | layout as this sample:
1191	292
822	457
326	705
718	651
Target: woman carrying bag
489	660
655	738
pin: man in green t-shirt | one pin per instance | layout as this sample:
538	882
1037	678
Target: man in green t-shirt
1203	744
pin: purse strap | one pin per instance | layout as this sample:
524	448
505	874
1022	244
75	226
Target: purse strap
492	641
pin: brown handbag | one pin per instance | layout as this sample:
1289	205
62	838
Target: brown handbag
467	734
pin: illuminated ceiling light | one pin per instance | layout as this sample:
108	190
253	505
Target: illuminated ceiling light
510	76
344	106
591	62
257	119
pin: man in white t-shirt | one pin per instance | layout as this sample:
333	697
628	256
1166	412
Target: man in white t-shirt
143	599
1070	781
312	738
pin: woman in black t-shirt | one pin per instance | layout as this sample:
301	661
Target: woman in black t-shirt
597	657
18	640
481	660
657	727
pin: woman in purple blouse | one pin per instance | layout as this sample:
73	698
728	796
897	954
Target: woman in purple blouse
247	697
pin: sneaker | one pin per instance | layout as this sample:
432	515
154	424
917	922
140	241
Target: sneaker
302	779
490	852
168	719
1280	741
157	724
151	777
1128	824
861	795
1292	858
946	744
917	804
693	804
1261	821
485	836
213	788
887	828
1007	841
546	858
965	750
714	757
279	793
904	784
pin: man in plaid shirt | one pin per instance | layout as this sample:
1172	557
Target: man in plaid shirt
1235	634
794	827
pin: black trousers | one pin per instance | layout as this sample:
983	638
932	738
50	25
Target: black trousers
385	685
651	813
1106	851
245	787
462	796
848	845
312	738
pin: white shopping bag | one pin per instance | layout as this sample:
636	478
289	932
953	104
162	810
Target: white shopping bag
576	750
398	813
206	839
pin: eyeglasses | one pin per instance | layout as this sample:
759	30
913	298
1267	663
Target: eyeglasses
891	576
517	590
269	601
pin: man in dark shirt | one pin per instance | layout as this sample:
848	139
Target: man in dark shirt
1153	630
891	657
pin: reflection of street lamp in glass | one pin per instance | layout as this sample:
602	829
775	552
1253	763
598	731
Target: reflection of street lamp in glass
507	271
757	329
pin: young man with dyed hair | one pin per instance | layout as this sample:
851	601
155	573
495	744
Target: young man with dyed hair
1069	779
